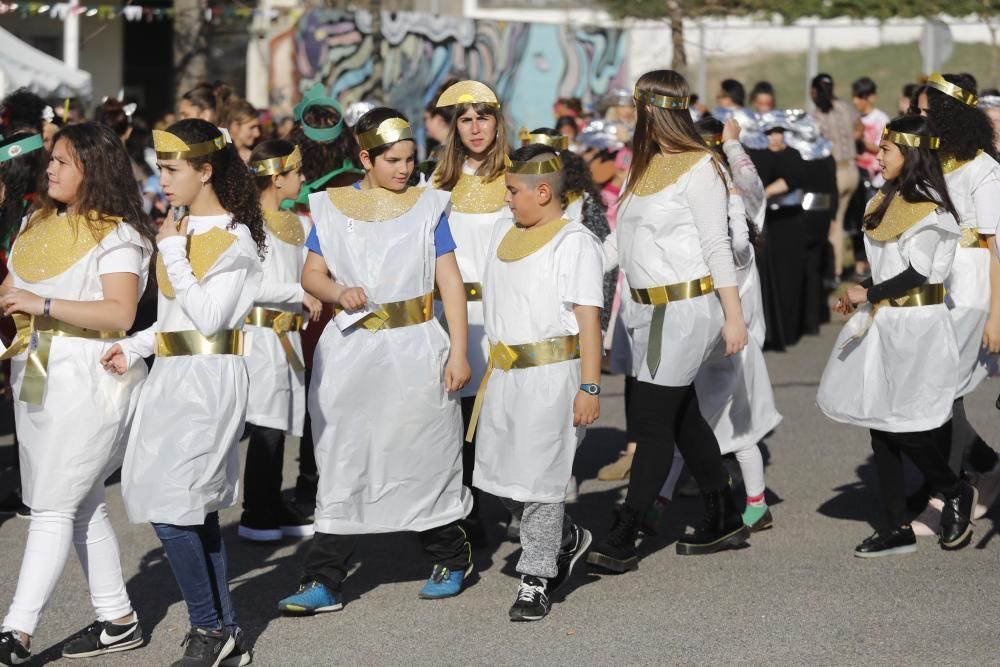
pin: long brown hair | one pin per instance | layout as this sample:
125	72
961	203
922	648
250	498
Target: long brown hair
656	126
455	152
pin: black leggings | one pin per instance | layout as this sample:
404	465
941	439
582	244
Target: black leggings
966	445
924	449
659	417
469	455
262	475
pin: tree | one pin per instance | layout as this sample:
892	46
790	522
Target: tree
190	44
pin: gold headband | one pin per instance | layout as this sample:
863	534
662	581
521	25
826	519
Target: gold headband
171	147
712	139
912	140
550	166
277	165
559	143
937	82
468	92
662	101
389	131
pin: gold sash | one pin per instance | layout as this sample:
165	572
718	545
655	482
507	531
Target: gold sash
660	297
281	322
34	333
528	355
189	343
972	239
399	314
925	295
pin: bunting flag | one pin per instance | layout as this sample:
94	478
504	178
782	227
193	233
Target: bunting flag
134	13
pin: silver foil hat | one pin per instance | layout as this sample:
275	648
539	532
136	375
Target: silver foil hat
356	110
805	137
616	97
603	135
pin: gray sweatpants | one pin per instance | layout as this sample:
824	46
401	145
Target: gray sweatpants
545	530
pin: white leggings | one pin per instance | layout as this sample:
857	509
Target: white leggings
751	465
45	554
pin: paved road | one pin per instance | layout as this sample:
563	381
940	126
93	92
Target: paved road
795	596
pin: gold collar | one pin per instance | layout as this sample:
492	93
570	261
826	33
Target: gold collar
473	194
374	205
949	163
204	251
899	217
285	226
51	245
665	170
518	242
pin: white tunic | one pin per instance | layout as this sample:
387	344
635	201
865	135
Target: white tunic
669	237
277	392
388	434
76	437
974	189
182	461
901	375
734	393
526	440
472	219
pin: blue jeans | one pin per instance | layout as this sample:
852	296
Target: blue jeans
197	557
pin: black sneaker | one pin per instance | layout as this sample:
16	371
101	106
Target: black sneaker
616	552
242	654
532	602
257	527
12	651
205	648
294	523
102	637
893	543
569	555
956	517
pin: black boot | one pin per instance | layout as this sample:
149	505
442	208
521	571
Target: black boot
956	517
616	552
722	527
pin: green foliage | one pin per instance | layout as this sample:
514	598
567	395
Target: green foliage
791	10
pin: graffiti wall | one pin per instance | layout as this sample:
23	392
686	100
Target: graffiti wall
529	64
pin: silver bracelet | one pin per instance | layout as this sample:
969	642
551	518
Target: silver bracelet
47	307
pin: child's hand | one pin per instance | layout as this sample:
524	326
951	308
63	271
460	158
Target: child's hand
168	228
734	334
586	409
843	306
115	360
313	306
457	373
353	299
856	295
22	301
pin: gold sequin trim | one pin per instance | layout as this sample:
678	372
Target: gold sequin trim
473	194
900	216
285	226
518	242
374	205
203	252
51	245
949	163
665	170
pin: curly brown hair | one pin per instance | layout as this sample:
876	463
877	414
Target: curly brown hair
231	180
108	189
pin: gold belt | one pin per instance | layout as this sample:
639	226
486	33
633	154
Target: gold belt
189	343
925	295
528	355
658	296
473	292
34	333
282	323
972	239
399	314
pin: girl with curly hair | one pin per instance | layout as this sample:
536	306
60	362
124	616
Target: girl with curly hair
182	463
77	269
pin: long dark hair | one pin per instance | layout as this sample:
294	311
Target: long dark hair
321	157
921	179
822	92
964	130
576	178
231	179
108	189
22	111
21	177
207	96
112	113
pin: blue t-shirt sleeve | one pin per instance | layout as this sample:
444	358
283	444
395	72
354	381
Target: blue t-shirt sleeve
443	240
312	242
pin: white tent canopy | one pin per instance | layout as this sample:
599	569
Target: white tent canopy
22	65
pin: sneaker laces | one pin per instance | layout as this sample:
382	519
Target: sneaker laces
624	527
440	574
528	592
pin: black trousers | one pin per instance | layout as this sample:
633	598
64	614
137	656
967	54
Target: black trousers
924	449
659	417
782	267
328	555
966	447
469	455
262	474
816	310
308	475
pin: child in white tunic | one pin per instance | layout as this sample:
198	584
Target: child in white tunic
182	463
472	171
276	405
385	416
76	273
894	366
543	287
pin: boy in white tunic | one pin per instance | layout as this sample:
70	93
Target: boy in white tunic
543	295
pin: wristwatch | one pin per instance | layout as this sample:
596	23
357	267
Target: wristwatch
592	389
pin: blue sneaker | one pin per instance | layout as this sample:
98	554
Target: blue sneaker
444	583
312	598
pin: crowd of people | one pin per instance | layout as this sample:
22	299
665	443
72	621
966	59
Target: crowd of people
433	323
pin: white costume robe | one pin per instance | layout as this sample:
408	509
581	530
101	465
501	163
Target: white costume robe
76	437
901	374
278	391
182	461
526	441
388	434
